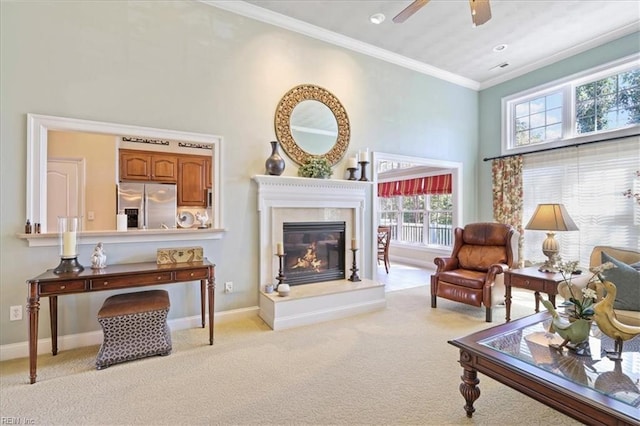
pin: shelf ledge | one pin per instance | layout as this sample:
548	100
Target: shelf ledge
137	236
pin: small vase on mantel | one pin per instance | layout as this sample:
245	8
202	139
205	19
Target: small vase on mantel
275	163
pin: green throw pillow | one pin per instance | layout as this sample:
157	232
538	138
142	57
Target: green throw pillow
627	281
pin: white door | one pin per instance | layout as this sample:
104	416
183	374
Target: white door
65	190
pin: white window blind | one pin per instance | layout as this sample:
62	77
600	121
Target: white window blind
590	181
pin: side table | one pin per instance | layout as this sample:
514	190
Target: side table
531	279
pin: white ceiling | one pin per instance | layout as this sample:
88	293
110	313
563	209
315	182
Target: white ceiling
440	40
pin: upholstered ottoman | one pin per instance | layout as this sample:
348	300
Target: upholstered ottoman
134	326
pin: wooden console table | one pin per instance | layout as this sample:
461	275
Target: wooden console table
113	277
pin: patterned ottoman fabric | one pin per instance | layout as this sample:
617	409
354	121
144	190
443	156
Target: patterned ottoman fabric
134	326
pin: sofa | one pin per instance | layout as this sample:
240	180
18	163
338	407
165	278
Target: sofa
624	258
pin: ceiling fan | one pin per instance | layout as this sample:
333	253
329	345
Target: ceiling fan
480	11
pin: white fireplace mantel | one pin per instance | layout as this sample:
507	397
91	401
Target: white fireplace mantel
292	199
277	193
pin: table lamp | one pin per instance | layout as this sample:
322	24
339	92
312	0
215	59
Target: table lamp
550	218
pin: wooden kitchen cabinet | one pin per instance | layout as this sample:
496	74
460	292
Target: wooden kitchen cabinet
192	189
207	176
148	166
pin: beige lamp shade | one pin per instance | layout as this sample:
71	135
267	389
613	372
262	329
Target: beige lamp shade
550	218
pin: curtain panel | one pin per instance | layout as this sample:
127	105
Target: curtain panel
508	192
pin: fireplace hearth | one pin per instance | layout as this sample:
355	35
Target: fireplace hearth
314	251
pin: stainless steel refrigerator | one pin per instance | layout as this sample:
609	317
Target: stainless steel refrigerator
148	205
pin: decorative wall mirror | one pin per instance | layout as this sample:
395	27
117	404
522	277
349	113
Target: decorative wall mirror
311	122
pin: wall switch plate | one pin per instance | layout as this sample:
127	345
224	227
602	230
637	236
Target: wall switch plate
228	287
15	313
91	215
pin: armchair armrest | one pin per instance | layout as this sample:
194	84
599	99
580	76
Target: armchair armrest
494	270
445	263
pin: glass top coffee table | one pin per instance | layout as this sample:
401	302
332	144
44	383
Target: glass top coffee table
592	389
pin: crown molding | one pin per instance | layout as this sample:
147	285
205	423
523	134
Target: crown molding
260	14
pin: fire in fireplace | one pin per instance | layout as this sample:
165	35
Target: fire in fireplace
314	252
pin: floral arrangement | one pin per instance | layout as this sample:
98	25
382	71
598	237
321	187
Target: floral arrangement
316	167
583	307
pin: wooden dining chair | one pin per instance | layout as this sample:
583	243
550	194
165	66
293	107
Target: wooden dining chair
384	238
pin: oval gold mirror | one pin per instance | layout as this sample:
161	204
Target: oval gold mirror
311	122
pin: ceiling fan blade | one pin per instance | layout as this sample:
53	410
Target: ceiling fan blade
409	10
480	11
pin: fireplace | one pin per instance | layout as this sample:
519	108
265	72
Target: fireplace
314	251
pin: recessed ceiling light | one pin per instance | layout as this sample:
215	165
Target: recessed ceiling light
500	47
377	18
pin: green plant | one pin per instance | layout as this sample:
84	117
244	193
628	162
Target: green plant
582	307
316	167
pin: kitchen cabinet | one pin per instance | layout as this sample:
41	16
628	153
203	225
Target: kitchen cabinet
148	166
207	171
192	176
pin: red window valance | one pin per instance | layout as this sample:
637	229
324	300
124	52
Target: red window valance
429	185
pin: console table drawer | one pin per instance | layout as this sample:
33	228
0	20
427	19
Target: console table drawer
133	280
66	287
194	274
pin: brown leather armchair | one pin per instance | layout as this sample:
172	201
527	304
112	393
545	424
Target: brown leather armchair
473	274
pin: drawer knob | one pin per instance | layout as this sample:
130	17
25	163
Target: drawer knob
526	282
105	283
191	274
62	287
159	278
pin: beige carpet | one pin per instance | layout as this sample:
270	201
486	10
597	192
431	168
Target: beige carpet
389	367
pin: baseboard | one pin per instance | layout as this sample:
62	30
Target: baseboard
71	341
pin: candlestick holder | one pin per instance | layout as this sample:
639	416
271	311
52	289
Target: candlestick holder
68	228
352	173
281	278
354	269
363	170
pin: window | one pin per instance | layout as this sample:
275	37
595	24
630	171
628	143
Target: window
592	182
578	109
418	219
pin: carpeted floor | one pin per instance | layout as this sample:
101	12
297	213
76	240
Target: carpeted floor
388	367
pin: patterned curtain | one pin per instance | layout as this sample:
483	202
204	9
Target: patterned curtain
507	195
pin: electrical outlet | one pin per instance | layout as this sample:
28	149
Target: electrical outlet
228	287
15	313
91	215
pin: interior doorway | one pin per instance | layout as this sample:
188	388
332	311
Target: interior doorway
65	179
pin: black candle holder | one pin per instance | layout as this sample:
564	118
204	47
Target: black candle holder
67	265
354	269
352	173
363	170
281	278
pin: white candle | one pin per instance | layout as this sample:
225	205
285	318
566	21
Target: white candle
352	163
69	244
279	249
354	244
364	155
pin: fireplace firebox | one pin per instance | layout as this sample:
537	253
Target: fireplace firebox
314	252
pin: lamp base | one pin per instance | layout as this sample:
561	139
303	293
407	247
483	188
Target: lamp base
68	265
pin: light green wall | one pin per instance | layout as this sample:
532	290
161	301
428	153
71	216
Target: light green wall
189	66
490	104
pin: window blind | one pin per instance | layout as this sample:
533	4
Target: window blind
591	181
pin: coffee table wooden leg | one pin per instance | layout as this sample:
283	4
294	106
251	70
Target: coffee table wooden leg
469	386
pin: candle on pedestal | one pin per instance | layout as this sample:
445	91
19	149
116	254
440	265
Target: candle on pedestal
364	155
354	244
69	244
352	163
279	249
